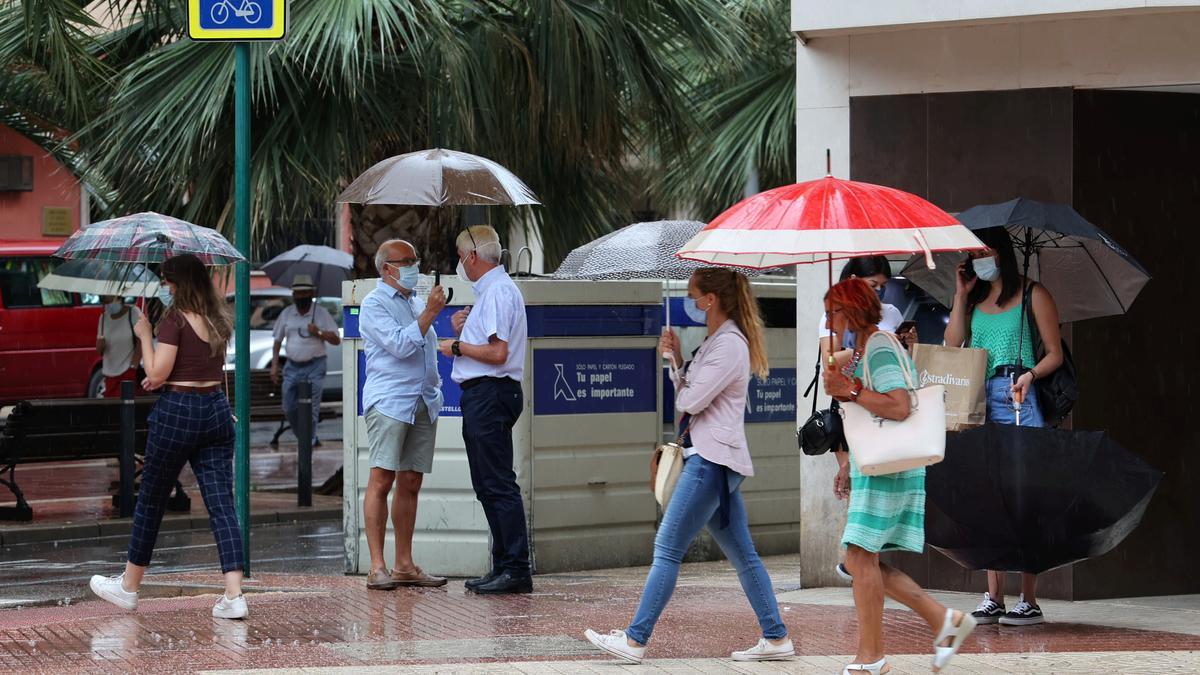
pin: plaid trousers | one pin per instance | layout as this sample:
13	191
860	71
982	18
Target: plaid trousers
196	428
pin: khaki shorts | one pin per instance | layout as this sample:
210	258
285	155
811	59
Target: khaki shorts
400	446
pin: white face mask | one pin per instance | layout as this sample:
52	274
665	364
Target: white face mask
986	268
462	271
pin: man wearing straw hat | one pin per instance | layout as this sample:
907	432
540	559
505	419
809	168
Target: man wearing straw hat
306	327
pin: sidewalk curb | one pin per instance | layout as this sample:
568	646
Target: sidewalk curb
32	534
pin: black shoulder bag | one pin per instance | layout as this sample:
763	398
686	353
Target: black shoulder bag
823	430
1058	391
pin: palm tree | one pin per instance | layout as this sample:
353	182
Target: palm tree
562	92
747	117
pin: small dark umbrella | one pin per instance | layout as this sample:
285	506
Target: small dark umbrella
328	266
1028	499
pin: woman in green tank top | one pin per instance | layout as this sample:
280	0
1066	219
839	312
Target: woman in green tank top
987	315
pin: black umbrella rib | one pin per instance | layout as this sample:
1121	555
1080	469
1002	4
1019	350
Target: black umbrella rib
1124	309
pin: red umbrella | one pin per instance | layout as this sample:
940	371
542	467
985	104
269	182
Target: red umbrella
824	219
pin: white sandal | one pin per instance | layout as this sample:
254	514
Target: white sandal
872	668
942	655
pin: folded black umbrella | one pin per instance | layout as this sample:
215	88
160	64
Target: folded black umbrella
1027	499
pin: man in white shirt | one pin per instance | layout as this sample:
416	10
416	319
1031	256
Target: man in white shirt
489	363
118	346
306	327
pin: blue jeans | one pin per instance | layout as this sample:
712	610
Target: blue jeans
1000	405
295	373
694	505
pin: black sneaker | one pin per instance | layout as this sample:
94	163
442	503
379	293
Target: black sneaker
988	611
1024	614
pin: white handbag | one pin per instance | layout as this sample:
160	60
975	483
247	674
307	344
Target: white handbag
881	446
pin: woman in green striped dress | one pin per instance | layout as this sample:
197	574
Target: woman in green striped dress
887	513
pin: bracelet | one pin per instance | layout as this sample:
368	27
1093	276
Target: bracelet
1033	371
858	388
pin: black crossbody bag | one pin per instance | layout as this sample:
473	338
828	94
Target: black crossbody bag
1058	391
823	430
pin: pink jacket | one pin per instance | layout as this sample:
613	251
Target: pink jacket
715	395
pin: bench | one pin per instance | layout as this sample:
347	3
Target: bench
266	402
62	430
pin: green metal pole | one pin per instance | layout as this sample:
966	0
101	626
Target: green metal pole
241	385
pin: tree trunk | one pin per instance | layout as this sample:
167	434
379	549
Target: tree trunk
430	230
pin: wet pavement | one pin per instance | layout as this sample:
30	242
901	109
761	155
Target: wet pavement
72	500
326	621
57	573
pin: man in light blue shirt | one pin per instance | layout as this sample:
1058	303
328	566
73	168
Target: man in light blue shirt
401	399
489	362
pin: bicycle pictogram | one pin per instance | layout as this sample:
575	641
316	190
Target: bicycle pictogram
248	10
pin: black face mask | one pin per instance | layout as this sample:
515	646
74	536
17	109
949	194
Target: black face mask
303	304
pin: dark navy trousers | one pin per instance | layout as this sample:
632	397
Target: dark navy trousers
195	428
490	408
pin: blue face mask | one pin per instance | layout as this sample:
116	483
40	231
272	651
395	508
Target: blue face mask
692	310
164	296
408	277
880	292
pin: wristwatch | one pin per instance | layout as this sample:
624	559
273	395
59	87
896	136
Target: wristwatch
454	348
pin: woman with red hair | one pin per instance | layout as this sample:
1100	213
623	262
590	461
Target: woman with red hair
887	512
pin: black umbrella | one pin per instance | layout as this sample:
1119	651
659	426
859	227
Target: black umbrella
328	266
1088	273
1028	499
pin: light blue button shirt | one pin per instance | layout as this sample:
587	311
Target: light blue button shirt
499	310
401	363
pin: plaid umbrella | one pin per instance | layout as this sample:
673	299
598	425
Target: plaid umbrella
148	238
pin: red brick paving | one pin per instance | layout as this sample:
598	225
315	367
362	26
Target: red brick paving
292	628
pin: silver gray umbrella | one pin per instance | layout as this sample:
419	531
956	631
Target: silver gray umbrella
438	177
327	266
99	277
1088	273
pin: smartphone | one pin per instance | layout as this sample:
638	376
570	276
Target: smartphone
905	327
968	270
437	281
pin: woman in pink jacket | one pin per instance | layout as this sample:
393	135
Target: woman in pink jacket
711	394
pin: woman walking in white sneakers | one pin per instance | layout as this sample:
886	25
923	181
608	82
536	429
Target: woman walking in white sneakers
712	396
887	512
191	422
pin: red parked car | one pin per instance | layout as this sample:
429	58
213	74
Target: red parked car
47	338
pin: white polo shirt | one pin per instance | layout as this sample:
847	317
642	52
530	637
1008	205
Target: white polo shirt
499	310
292	328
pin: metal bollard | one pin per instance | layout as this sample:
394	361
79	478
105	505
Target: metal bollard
128	440
304	434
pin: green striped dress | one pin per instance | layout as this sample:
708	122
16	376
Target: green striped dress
887	513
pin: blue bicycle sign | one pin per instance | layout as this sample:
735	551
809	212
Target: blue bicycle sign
236	19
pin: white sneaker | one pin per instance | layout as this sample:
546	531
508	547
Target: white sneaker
616	644
110	589
227	608
765	651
